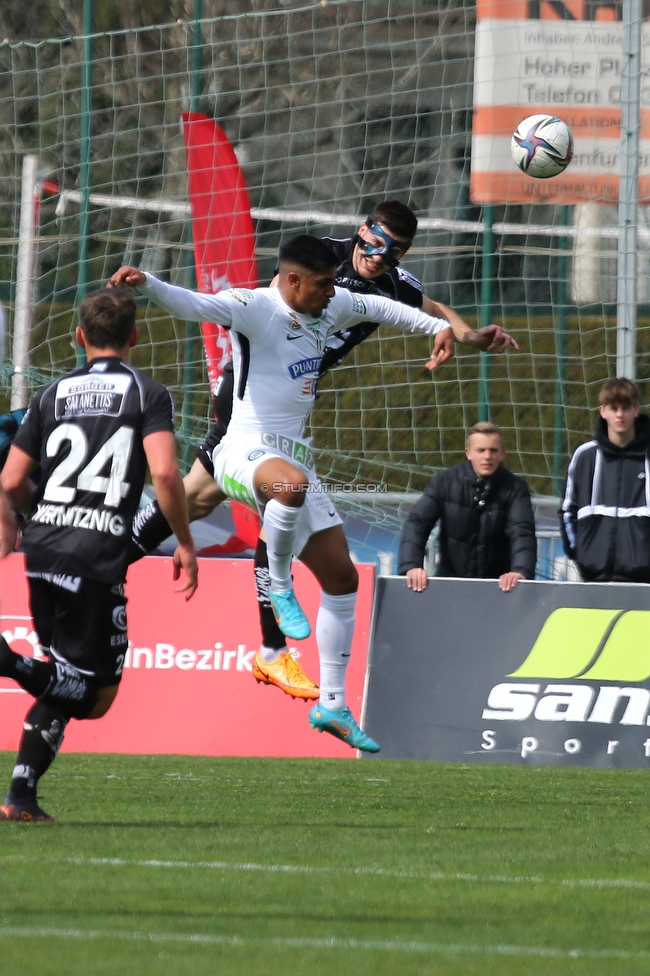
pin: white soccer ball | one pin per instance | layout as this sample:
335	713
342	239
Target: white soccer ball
542	146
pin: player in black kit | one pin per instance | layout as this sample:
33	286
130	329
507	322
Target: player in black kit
367	263
93	433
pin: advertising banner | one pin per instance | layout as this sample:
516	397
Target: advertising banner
564	58
222	227
549	674
187	687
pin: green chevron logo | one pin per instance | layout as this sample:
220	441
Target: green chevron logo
239	492
591	644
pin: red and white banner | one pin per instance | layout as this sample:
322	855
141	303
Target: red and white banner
564	58
187	687
224	251
222	228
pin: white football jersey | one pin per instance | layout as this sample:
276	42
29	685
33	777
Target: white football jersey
277	351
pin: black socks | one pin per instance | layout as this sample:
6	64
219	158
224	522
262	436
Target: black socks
272	636
42	736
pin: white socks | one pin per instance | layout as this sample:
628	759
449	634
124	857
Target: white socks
279	526
334	630
271	654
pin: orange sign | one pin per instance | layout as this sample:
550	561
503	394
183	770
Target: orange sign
559	57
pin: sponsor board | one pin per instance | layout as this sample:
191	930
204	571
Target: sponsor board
187	685
552	673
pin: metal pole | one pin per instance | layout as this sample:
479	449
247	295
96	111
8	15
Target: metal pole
25	274
83	271
191	332
559	440
628	200
487	265
197	57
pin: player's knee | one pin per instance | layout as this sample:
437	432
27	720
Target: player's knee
294	492
346	580
351	579
282	481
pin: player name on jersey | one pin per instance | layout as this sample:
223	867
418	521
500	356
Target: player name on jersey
78	517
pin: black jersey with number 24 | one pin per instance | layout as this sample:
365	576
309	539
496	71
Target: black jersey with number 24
86	431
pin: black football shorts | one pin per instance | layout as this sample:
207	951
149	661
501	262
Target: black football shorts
81	622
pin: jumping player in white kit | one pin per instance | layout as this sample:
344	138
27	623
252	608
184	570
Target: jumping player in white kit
279	335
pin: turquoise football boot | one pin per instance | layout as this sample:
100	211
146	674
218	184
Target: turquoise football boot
341	723
288	614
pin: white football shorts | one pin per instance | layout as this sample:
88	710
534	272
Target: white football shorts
235	463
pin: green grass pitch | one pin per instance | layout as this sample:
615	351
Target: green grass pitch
198	866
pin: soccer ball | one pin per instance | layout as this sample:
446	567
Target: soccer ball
542	146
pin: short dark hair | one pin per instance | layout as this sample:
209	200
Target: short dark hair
107	317
619	392
396	217
307	252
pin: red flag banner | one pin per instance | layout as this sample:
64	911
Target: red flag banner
224	243
224	239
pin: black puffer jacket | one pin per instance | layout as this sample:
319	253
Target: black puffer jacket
487	526
605	514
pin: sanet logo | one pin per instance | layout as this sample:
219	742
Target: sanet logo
599	645
584	645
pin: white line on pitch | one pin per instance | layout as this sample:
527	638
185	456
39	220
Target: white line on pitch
368	945
313	869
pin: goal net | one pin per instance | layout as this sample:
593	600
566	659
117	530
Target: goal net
330	107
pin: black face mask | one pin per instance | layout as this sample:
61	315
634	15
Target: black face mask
391	251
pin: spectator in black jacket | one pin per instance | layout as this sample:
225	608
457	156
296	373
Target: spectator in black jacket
605	514
487	528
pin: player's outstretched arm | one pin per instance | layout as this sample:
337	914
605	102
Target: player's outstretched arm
180	302
160	449
353	308
127	276
491	338
443	349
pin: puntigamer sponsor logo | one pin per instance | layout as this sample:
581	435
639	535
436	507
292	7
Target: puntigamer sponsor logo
304	366
587	666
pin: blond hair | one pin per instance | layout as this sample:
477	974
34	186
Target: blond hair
484	427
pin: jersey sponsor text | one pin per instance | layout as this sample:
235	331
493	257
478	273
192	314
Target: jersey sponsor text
91	395
78	517
303	366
